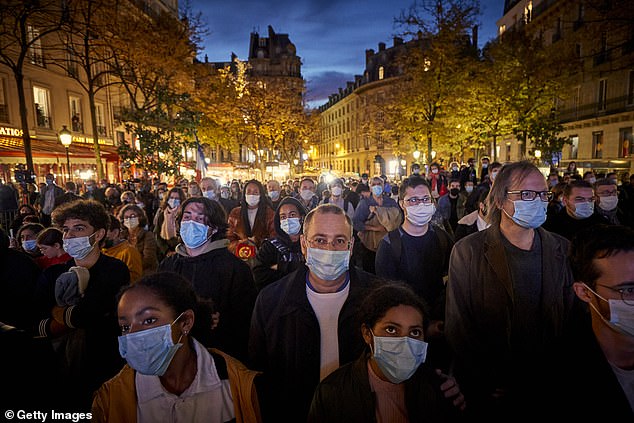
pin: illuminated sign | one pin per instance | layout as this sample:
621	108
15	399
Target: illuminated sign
11	132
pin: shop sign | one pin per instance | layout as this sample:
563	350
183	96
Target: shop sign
10	132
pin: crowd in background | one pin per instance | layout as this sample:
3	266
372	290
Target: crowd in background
445	294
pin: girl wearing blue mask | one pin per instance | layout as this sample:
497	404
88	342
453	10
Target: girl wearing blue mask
168	371
27	237
391	380
282	254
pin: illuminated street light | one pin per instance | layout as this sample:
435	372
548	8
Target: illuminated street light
416	155
66	138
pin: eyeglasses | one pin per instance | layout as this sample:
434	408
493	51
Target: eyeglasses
530	195
627	293
412	201
322	243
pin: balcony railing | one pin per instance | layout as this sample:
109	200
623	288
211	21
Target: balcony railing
101	130
44	121
591	110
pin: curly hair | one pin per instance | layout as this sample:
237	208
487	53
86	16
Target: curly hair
89	210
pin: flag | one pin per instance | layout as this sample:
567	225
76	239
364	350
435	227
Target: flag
201	164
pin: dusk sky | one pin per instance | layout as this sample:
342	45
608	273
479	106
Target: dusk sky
331	36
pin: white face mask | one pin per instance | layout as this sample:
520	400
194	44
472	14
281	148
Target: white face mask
608	203
621	314
336	191
420	214
306	194
131	222
252	200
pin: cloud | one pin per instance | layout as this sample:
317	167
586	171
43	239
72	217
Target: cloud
323	84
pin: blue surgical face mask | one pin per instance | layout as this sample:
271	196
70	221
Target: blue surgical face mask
377	190
529	214
291	226
78	248
327	264
193	234
398	357
211	194
150	351
275	195
173	202
584	210
29	245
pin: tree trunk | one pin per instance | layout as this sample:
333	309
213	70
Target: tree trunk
24	120
95	134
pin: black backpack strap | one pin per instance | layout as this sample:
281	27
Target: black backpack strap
395	244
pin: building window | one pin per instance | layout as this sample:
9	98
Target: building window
597	145
574	146
630	88
42	102
75	114
35	51
100	120
528	12
625	142
4	108
72	69
602	95
508	151
381	72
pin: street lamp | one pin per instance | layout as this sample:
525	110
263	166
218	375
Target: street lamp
416	155
66	138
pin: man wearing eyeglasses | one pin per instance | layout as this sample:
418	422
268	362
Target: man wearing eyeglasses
418	253
578	212
509	297
597	361
303	326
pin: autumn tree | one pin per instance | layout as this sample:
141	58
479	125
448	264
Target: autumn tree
154	68
532	80
25	27
84	54
434	73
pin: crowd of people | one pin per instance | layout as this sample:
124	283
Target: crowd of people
455	294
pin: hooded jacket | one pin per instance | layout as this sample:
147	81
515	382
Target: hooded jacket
218	275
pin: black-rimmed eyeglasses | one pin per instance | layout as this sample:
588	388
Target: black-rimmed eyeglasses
530	195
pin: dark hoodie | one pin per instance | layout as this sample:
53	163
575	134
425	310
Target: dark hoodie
278	256
18	276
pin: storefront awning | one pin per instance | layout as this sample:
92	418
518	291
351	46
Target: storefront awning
48	151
